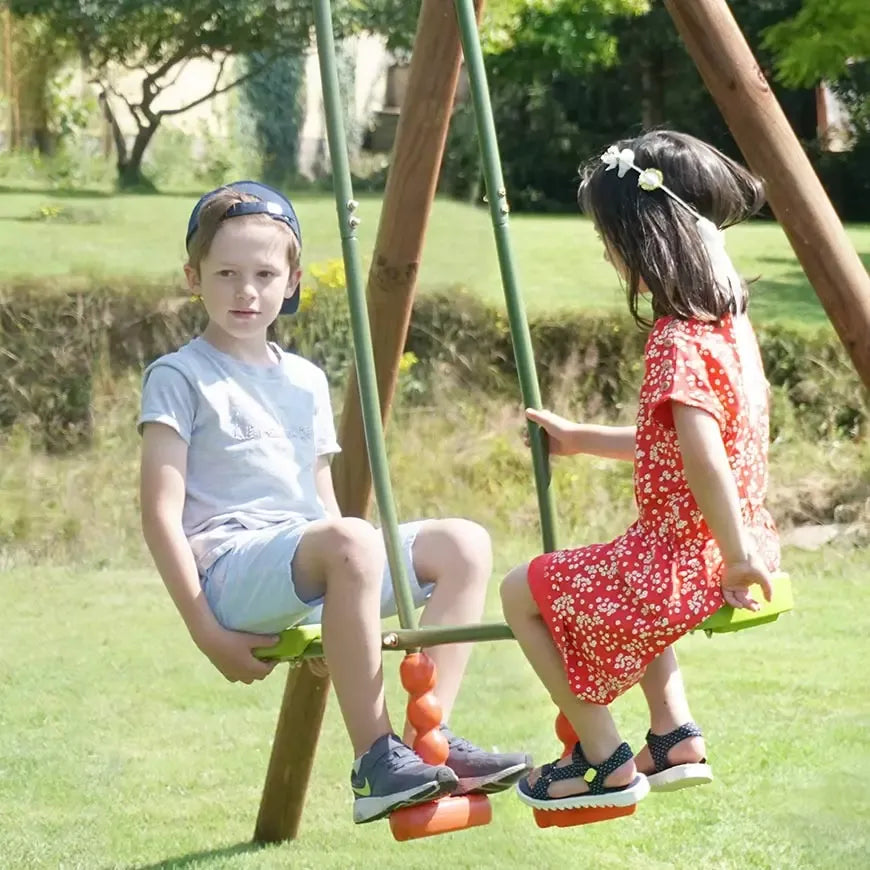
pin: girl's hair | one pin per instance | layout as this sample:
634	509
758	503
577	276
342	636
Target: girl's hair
657	238
211	217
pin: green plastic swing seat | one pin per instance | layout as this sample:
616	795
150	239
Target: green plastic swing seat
295	642
292	644
728	618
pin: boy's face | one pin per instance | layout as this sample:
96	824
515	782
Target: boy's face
245	276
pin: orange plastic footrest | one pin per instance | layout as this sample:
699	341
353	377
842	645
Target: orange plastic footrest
583	816
441	817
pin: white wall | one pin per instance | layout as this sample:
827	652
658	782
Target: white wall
370	74
197	79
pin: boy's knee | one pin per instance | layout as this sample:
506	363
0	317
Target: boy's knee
467	541
356	544
453	548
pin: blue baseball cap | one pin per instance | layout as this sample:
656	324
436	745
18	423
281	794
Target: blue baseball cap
270	202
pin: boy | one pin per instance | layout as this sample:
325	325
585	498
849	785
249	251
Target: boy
239	513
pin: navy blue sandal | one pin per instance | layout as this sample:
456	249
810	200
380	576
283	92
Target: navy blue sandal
673	777
599	795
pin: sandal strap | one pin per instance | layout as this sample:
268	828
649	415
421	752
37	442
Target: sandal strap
580	768
660	744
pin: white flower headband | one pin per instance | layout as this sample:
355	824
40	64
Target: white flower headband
712	237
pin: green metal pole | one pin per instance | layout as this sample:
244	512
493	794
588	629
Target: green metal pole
362	338
499	210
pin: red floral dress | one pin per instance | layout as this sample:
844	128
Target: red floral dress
612	608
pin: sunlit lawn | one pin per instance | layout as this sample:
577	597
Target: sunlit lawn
559	257
121	747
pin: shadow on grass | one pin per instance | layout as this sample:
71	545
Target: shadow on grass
78	219
790	295
193	858
60	193
94	193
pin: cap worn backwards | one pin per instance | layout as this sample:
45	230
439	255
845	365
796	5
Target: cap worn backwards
270	202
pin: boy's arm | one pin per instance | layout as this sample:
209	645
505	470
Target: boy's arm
162	490
325	488
712	483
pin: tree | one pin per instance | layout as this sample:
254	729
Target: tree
820	40
156	40
541	56
503	20
32	60
572	34
573	76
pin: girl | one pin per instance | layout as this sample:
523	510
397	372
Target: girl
596	620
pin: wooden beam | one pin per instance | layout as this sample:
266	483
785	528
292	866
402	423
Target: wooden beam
419	147
772	150
416	162
292	754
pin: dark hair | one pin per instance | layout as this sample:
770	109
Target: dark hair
657	238
211	217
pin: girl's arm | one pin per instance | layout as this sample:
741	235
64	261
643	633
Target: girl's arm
610	442
325	488
712	483
162	490
568	438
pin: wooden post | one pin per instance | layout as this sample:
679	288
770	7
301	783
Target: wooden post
413	177
771	148
292	755
411	184
9	81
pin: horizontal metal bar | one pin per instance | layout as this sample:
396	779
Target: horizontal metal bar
435	635
414	638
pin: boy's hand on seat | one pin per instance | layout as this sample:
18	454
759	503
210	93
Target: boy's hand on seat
231	652
739	575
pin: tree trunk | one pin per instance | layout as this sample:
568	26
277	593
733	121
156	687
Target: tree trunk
130	175
652	88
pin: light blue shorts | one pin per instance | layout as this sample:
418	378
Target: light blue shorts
250	587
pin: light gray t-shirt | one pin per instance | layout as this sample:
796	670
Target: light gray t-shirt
254	434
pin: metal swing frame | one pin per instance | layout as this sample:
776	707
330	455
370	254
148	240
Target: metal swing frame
304	642
763	133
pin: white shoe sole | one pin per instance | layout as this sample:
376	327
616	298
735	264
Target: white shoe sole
370	809
681	776
626	797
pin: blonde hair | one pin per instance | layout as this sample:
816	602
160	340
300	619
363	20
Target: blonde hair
212	215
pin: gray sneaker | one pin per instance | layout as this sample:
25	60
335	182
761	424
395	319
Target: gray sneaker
482	772
390	776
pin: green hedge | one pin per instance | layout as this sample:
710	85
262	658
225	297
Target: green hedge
52	345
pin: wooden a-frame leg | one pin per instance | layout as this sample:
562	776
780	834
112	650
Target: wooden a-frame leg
290	764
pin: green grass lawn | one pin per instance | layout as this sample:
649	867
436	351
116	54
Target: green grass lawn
559	257
120	746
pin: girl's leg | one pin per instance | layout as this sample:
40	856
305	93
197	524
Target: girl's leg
343	560
592	722
662	685
455	555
